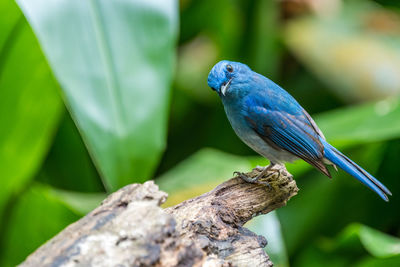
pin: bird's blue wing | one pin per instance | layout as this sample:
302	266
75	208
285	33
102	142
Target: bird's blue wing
287	128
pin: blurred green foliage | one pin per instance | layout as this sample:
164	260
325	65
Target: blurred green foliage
115	77
126	87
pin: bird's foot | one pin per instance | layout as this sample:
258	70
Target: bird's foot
252	180
259	168
260	178
264	170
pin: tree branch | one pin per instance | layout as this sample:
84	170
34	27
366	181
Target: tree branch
130	229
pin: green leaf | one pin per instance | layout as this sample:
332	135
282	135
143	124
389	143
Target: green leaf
378	244
361	124
68	164
200	173
114	60
9	20
313	256
80	203
383	248
347	249
375	262
37	216
30	105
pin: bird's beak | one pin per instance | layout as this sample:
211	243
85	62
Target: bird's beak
225	86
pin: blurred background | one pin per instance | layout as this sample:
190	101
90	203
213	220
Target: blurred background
95	95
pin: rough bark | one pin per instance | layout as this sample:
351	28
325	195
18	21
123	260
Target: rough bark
130	229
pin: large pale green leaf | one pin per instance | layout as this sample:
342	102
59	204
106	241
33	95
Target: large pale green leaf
36	217
30	105
9	19
114	61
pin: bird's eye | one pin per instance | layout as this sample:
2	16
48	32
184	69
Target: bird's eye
229	68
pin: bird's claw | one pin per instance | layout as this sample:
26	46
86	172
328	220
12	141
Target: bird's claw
241	175
252	180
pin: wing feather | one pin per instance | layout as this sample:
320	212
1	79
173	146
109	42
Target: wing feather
294	133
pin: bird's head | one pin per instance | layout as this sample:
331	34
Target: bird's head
226	74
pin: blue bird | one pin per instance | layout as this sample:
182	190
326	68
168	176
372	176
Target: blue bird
270	121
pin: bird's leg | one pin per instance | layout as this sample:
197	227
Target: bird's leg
256	180
264	171
259	168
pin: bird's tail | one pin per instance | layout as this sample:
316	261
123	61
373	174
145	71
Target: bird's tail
346	164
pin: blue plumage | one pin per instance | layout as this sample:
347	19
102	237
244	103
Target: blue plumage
272	122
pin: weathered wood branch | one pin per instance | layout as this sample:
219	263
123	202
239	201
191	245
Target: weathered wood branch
130	229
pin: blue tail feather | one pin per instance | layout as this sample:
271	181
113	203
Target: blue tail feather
346	164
